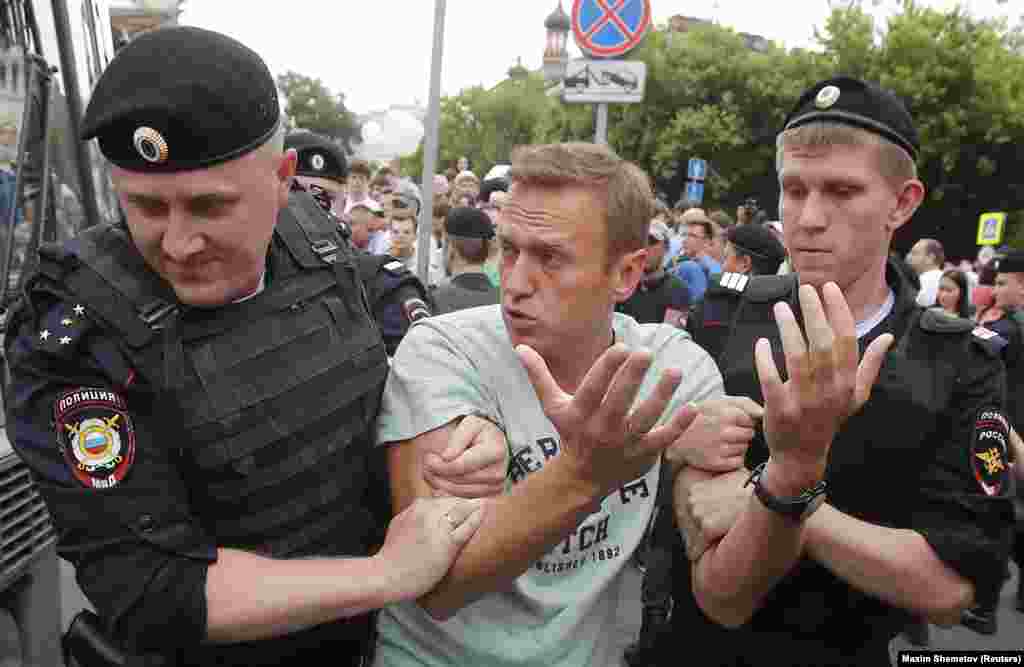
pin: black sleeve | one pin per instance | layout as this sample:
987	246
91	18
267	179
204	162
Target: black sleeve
90	430
966	513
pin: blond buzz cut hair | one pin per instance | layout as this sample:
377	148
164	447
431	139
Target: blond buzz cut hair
621	186
894	162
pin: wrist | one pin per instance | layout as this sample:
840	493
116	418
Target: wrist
582	492
785	479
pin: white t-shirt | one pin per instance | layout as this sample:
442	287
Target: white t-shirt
929	287
562	611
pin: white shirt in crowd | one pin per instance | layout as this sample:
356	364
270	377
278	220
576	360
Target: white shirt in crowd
929	287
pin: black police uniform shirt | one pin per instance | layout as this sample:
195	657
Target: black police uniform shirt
466	290
118	489
655	296
927	452
1010	327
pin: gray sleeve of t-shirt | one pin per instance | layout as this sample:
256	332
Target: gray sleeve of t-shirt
432	382
701	377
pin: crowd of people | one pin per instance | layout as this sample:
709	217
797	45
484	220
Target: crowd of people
265	442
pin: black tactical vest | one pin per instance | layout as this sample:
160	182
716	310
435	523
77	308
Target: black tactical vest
272	400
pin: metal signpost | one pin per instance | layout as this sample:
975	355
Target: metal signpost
605	30
424	238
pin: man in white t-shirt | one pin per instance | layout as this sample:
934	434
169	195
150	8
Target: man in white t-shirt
557	371
927	258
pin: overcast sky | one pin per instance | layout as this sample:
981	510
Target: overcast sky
377	52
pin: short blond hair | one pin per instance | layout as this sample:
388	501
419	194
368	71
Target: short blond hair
894	162
623	188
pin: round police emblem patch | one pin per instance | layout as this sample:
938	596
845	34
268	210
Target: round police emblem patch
827	96
96	436
151	145
988	451
317	161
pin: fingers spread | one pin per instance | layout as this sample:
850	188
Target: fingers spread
647	414
867	372
548	391
595	383
623	390
767	373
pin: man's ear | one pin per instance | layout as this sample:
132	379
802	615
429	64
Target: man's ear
288	162
626	274
908	199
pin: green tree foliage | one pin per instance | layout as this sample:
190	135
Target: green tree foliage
708	95
312	106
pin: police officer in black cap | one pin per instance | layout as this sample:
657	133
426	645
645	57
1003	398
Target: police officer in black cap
864	503
397	297
195	391
469	237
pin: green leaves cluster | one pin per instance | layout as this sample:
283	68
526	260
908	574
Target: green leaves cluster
312	106
709	95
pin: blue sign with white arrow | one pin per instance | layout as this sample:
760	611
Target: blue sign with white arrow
697	169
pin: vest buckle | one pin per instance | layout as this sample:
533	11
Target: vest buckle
152	313
326	250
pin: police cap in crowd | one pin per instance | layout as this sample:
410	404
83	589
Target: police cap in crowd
469	223
860	104
158	108
318	156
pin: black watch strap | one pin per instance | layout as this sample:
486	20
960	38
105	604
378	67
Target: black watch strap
796	508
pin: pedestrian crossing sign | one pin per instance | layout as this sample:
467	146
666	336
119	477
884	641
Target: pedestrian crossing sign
990	228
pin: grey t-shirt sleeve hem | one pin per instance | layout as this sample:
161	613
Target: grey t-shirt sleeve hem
432	382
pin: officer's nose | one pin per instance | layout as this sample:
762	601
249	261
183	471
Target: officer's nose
814	213
182	239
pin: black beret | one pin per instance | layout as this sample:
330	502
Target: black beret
468	222
318	156
182	98
860	104
757	240
1013	262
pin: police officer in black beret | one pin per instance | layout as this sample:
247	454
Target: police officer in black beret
397	297
860	508
469	237
196	391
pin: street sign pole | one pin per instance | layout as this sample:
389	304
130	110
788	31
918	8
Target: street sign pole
601	129
426	219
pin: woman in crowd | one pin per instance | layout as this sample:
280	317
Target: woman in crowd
953	295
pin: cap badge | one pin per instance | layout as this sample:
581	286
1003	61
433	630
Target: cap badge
151	145
827	96
317	161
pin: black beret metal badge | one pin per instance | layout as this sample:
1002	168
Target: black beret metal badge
151	145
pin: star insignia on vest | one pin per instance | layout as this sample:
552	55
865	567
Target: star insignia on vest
96	436
79	309
151	145
827	97
44	334
736	282
988	451
317	162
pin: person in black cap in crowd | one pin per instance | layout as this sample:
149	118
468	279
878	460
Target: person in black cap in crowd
469	236
752	250
661	296
321	168
397	297
862	506
195	391
1008	296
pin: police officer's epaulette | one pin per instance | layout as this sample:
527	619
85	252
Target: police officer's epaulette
734	283
768	289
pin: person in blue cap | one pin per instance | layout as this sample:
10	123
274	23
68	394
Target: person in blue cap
864	504
195	389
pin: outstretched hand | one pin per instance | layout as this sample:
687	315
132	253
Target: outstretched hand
603	442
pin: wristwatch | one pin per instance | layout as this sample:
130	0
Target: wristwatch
797	508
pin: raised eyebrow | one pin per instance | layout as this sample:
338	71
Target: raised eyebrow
143	200
213	198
